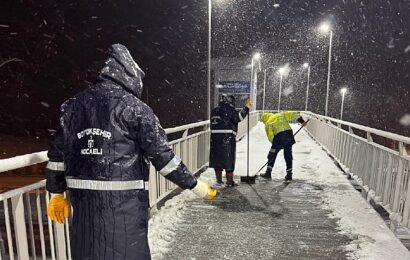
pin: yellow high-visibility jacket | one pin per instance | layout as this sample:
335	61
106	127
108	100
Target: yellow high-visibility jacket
276	123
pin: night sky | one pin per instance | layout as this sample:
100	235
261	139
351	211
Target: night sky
50	50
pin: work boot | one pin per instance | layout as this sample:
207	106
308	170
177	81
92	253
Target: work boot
218	175
230	182
288	176
268	174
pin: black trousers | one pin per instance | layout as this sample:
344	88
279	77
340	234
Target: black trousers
287	152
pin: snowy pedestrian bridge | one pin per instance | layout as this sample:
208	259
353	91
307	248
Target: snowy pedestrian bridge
342	173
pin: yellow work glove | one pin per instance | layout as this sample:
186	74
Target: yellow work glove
203	190
58	208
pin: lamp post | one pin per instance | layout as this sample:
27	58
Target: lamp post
281	71
343	92
307	65
325	27
209	57
256	56
264	88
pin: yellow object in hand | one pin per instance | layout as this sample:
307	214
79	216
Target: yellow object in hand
212	193
204	190
58	208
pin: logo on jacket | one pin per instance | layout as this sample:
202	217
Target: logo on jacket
91	150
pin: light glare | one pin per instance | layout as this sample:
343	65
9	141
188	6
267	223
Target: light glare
257	56
325	27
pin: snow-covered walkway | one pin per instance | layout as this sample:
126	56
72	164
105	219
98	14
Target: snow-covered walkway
317	216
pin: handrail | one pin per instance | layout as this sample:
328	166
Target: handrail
22	161
382	171
185	127
370	130
17	191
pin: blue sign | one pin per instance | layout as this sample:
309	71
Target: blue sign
234	87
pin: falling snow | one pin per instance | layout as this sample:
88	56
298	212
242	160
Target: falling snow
405	120
59	52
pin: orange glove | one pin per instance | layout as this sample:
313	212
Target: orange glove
204	191
58	208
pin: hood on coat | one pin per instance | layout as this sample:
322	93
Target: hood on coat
227	100
121	68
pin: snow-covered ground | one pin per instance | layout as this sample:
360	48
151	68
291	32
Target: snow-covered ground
372	239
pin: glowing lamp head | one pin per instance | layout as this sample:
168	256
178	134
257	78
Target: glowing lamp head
343	91
282	70
305	65
325	27
257	56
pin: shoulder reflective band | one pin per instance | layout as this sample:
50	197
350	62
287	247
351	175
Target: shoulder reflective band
171	166
56	166
223	132
216	117
240	116
104	185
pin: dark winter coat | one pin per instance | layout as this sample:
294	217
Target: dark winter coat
224	126
106	134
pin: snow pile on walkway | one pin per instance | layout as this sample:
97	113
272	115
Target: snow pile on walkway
162	225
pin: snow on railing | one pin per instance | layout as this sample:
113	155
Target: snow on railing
25	209
22	161
383	171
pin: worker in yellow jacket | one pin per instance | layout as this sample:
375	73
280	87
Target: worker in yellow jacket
280	134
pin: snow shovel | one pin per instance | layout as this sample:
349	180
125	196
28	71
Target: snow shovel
248	179
293	135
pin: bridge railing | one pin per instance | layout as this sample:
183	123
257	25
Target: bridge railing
27	233
377	158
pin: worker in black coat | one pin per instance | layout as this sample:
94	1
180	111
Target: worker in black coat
105	136
224	126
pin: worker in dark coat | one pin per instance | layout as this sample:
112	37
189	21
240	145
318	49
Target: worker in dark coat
224	126
105	136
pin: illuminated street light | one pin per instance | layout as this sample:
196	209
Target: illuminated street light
257	56
253	90
281	72
343	92
325	27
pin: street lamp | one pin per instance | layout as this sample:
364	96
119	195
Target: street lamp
307	66
281	72
264	87
255	57
325	28
209	58
343	92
